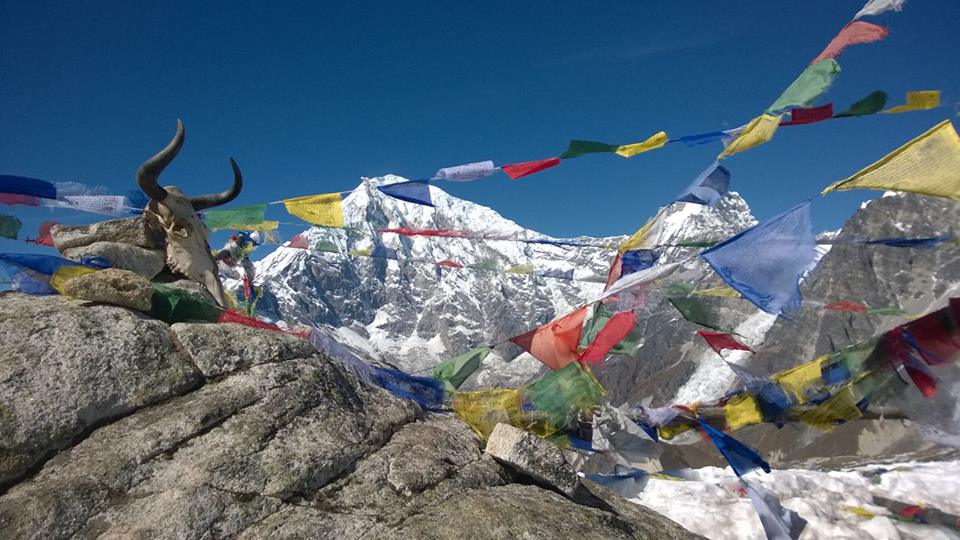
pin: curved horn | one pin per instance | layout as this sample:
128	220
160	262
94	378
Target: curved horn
201	202
149	172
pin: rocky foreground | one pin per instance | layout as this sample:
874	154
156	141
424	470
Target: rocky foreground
116	425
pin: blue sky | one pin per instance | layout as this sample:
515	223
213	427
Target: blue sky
309	97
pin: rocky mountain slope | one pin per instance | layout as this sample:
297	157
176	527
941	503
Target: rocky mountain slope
116	425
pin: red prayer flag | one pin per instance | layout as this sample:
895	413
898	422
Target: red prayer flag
616	268
16	198
910	512
719	341
555	343
924	382
854	33
846	305
809	116
229	316
449	264
519	170
45	237
299	241
617	328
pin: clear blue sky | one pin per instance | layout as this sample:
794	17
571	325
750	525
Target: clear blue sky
309	97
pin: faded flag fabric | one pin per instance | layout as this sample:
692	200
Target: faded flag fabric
324	210
467	172
555	343
928	165
760	130
519	170
876	7
234	218
708	187
9	226
918	101
872	104
854	33
741	458
765	263
637	259
809	86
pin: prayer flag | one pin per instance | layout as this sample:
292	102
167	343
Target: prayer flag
455	371
519	170
602	313
65	273
327	246
563	394
741	410
484	409
449	264
871	104
809	86
700	138
638	279
616	329
172	305
696	312
708	187
802	381
555	343
45	236
615	271
324	210
765	263
9	226
426	391
520	269
467	172
912	242
578	148
234	218
841	407
31	274
415	191
636	260
17	199
778	522
21	185
760	130
486	264
719	341
809	116
648	235
384	252
846	305
655	141
741	458
364	252
333	349
555	273
721	291
299	242
110	205
854	33
929	164
918	101
69	189
876	7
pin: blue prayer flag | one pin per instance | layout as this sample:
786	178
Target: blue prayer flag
708	187
21	185
416	191
741	458
553	273
912	242
765	262
384	252
426	391
636	260
700	138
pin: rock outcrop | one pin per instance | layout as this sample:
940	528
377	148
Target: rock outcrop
111	286
146	262
116	425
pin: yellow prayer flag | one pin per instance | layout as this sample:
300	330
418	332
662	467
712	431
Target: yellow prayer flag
865	514
263	226
65	273
918	101
799	379
742	410
360	253
654	142
484	409
757	132
639	239
929	164
841	407
324	210
520	269
722	291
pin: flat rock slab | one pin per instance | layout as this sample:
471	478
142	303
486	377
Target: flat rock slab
218	349
65	368
133	231
112	286
146	262
535	457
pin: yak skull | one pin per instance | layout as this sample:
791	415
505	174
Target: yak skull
188	246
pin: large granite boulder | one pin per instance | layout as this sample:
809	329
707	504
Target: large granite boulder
112	286
66	369
218	349
537	458
132	231
146	262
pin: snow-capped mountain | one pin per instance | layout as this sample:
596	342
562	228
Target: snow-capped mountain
414	314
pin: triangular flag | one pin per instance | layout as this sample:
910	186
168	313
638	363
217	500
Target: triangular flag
719	341
415	191
760	130
708	187
519	170
324	210
928	165
618	327
741	458
871	104
455	371
555	343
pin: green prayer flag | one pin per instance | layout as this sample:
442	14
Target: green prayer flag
327	246
579	148
697	312
564	394
487	264
809	86
9	226
172	305
601	314
231	218
871	104
456	370
678	290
